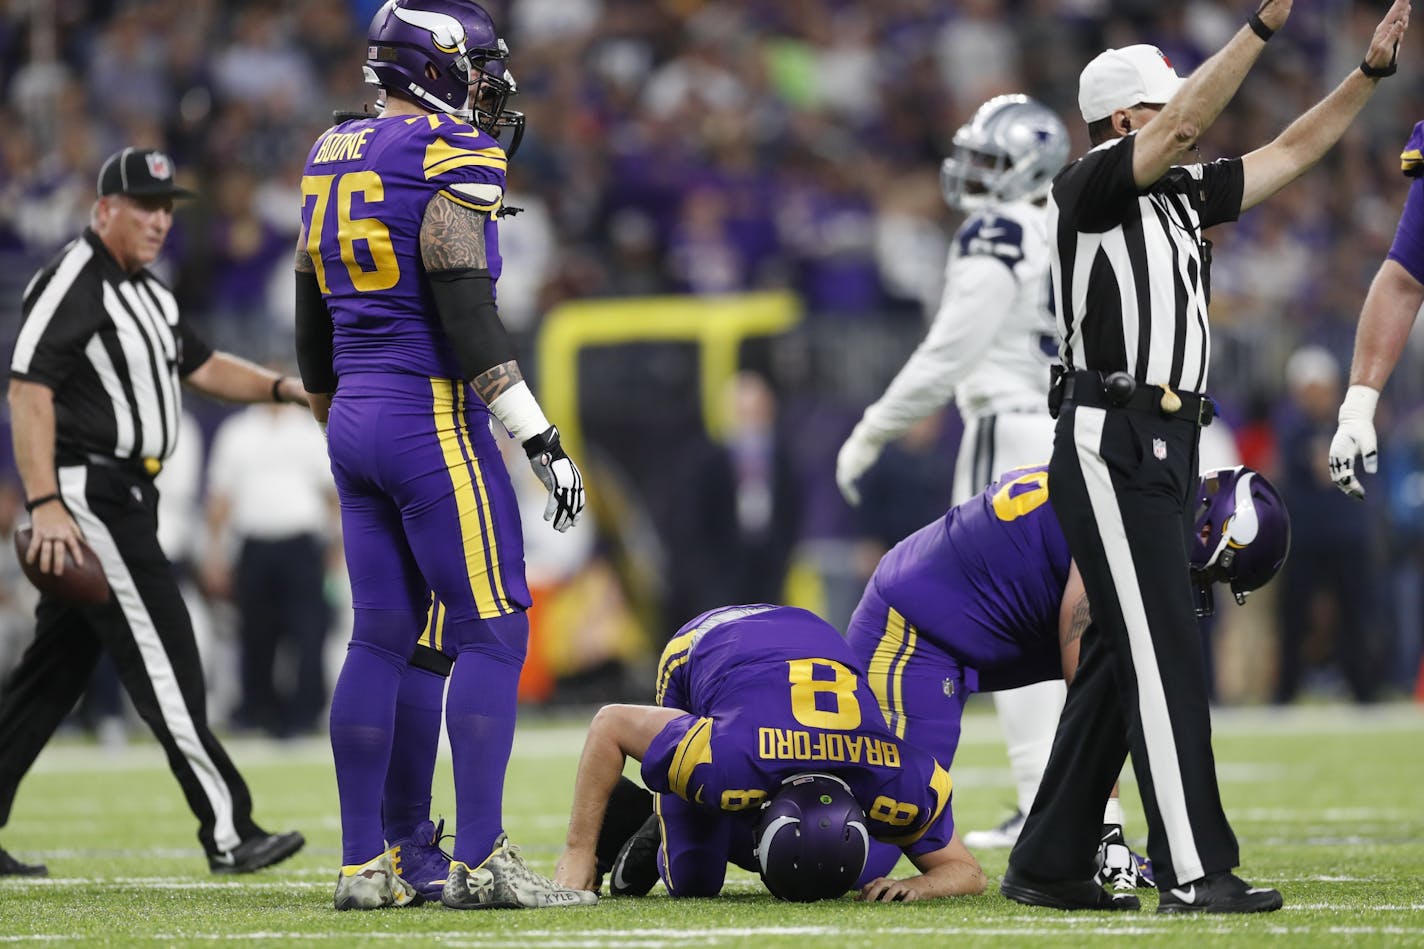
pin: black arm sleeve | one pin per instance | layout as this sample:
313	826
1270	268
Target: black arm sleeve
464	301
314	333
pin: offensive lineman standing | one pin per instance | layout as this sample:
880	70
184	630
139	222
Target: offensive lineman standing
402	348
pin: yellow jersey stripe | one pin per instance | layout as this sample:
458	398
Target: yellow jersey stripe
694	749
466	503
942	787
477	470
675	653
467	203
438	643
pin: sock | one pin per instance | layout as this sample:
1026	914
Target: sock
1028	718
479	717
406	799
362	717
1112	813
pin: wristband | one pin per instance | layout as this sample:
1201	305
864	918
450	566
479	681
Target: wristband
1382	71
277	388
519	412
1359	403
41	500
1259	27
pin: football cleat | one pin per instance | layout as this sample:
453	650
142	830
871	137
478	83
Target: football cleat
1001	837
1222	892
1118	866
255	853
374	884
1069	895
422	863
636	868
504	881
10	867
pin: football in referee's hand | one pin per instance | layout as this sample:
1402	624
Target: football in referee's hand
82	583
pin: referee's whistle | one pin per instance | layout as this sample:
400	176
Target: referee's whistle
1171	402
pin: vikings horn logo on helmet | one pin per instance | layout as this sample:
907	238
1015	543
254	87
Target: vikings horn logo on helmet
446	32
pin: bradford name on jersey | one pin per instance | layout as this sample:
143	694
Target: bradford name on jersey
773	691
365	189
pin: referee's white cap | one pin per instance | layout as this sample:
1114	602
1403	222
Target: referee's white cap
1122	78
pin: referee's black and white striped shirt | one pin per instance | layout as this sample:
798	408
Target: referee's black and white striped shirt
1128	269
113	348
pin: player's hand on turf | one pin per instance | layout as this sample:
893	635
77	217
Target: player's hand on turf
1384	45
1355	436
54	529
886	890
561	477
577	870
854	459
1274	13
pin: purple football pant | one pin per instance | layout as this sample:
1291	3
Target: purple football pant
426	505
921	689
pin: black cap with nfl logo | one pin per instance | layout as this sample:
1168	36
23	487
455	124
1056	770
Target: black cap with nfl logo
140	173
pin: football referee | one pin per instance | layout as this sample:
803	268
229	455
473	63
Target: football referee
1131	272
94	400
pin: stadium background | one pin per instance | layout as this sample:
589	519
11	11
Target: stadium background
732	236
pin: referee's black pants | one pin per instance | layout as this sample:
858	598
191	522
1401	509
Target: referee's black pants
146	628
1123	484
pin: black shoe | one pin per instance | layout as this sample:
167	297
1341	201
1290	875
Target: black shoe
1064	894
10	867
636	868
1219	893
254	853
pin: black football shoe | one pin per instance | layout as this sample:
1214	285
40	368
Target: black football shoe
635	870
1222	892
1064	894
254	853
10	867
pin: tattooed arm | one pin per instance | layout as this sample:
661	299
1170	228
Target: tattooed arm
1074	617
452	247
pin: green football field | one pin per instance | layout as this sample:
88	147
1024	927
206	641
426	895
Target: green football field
1328	802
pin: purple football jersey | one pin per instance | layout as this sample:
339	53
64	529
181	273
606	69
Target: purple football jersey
985	582
365	189
1408	247
774	691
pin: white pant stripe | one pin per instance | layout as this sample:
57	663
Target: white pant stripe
1162	761
72	482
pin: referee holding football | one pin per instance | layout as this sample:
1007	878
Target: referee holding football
1130	269
94	401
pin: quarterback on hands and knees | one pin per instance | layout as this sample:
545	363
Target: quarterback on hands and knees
1130	268
95	402
1391	306
401	346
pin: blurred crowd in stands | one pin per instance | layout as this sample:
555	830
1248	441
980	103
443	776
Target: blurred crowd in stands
711	147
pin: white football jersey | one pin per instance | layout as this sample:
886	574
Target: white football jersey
994	336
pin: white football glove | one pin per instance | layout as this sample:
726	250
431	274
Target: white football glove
1355	436
560	476
859	452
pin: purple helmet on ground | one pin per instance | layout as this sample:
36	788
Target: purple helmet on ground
1242	531
811	841
446	56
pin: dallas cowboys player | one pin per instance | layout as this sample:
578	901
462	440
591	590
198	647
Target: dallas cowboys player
990	348
395	296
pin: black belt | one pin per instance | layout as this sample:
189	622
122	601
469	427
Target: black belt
1120	390
144	467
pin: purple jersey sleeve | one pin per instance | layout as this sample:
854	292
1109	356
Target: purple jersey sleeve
365	189
1408	247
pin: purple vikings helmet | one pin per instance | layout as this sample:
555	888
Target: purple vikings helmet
811	841
446	56
1242	532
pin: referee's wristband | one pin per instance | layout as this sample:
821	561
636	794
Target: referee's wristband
277	388
1259	27
42	500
